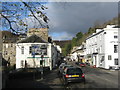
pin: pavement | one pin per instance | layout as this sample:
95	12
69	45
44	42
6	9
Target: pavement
95	78
50	81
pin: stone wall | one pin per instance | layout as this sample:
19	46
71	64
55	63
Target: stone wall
9	53
41	32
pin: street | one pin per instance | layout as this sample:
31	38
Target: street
95	78
98	78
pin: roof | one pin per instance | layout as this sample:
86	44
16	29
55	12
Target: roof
8	37
95	34
33	39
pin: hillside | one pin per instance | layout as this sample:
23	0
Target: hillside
62	43
80	37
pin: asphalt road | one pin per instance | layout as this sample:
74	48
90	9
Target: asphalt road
95	78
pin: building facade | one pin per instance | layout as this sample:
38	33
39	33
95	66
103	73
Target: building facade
102	47
34	52
8	47
78	53
41	32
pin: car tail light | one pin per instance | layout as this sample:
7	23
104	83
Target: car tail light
83	75
66	75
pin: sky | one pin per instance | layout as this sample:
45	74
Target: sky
66	19
69	18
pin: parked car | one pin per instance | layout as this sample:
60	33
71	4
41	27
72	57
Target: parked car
66	66
81	64
62	68
73	74
87	63
77	63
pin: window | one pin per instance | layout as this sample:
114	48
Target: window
22	50
109	57
44	49
115	36
115	48
5	52
38	49
116	61
11	45
102	58
30	50
22	63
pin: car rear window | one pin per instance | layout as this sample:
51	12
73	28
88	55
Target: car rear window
74	71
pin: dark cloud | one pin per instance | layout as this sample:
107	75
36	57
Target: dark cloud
72	17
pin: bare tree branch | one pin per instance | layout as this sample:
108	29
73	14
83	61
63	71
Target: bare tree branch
9	23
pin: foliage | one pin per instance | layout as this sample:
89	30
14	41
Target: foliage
80	37
14	15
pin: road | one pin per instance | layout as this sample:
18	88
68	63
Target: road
95	78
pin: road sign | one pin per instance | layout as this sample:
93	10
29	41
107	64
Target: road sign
33	54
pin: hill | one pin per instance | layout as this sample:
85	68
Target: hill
62	43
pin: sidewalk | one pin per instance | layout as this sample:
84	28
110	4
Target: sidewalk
50	81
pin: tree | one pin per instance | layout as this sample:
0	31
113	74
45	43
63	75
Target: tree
67	49
79	35
16	16
74	41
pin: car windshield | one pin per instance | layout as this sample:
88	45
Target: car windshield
74	71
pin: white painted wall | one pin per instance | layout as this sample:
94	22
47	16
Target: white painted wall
50	59
28	57
103	44
110	41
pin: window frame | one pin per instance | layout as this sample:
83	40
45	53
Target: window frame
22	50
109	57
116	61
115	48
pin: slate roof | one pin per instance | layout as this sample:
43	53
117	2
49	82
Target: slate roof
33	39
8	37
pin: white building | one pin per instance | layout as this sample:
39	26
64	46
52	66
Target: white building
102	47
31	51
78	53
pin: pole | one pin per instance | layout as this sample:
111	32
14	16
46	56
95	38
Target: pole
42	68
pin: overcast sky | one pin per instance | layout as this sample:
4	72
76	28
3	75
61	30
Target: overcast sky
67	19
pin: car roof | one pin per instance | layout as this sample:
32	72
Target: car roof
73	67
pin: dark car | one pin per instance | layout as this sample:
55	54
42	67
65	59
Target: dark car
62	67
87	63
66	66
73	74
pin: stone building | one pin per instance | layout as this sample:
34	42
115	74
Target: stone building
9	41
41	32
8	47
